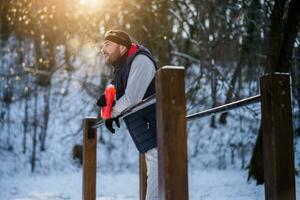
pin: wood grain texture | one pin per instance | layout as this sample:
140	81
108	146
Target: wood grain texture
89	158
143	176
171	134
278	147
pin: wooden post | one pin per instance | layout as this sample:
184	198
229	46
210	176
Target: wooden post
143	176
278	149
89	158
171	134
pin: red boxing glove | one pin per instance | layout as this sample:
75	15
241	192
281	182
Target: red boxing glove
110	93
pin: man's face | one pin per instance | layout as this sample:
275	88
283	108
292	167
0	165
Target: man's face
111	52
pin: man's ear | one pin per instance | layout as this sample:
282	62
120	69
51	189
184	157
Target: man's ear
123	49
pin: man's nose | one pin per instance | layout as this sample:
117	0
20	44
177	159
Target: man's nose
102	50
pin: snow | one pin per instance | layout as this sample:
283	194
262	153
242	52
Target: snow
203	185
67	186
216	155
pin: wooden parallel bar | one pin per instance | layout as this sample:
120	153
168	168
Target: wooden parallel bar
143	176
171	134
89	158
278	147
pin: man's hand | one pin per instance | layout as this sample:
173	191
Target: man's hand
109	124
101	102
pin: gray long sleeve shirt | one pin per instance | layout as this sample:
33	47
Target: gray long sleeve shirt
141	73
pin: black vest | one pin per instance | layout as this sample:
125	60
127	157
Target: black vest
141	124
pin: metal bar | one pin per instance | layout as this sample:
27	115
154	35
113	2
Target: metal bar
132	109
213	111
224	108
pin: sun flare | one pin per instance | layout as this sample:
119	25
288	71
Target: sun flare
91	4
83	2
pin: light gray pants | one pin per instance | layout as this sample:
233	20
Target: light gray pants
152	174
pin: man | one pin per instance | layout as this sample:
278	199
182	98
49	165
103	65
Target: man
134	72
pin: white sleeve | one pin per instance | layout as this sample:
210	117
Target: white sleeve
140	76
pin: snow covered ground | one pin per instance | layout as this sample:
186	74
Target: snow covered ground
203	185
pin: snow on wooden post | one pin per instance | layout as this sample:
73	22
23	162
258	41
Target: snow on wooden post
278	149
171	134
89	158
143	176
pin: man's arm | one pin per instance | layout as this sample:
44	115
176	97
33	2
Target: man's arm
140	76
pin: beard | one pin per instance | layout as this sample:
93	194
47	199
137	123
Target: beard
113	58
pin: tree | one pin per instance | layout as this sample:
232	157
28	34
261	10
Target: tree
283	32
